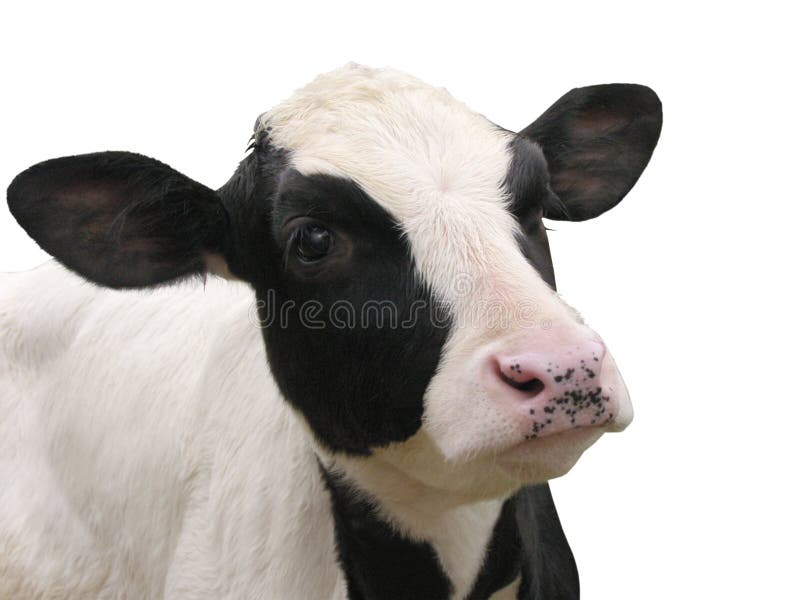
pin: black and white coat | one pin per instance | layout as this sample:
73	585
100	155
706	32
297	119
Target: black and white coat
366	404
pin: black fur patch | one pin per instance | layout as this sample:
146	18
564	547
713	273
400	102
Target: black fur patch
354	341
378	562
528	184
527	542
548	567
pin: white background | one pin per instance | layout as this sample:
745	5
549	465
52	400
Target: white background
691	280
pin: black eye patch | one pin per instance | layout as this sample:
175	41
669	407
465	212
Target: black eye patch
357	378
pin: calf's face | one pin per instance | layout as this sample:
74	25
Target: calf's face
394	240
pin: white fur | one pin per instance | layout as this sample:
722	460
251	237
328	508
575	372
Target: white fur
145	452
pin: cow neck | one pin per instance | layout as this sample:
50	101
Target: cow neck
443	551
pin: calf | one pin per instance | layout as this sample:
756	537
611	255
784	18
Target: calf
370	400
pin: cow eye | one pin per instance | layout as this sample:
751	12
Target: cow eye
313	242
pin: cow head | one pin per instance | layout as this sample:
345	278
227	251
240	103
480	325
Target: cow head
394	240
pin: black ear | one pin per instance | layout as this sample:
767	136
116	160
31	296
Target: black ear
597	141
120	219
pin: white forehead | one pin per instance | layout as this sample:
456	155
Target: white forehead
394	135
438	167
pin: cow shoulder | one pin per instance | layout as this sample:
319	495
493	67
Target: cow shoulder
150	434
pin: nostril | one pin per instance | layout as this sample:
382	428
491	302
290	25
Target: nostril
532	386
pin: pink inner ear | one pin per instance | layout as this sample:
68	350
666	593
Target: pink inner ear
578	181
79	196
598	121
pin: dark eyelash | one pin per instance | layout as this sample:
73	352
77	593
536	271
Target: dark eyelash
251	143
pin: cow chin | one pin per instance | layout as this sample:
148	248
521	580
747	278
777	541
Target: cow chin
542	459
416	468
527	458
418	464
